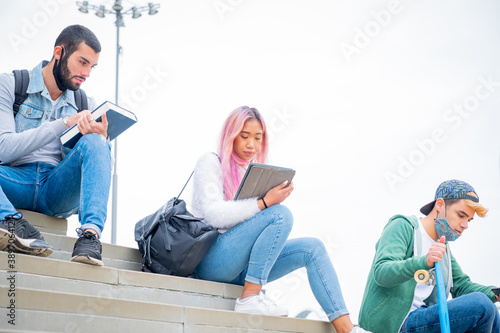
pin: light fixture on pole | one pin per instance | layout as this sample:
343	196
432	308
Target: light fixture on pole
118	12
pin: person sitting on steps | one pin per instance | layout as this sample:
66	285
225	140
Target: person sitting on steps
253	246
37	173
393	302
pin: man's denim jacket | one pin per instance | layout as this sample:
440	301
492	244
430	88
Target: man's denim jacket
33	118
37	107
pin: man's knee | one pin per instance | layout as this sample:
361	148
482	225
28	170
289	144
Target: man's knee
483	304
93	142
66	214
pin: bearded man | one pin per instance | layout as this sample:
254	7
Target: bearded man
36	172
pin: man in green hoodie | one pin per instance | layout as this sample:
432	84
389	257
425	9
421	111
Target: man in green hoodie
393	302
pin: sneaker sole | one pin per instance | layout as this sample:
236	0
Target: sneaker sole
21	245
261	313
86	259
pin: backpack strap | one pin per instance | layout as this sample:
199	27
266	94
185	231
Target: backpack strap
185	185
81	100
22	80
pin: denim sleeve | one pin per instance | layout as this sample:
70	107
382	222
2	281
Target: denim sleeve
15	145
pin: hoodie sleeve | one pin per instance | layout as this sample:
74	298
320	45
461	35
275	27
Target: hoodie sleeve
462	285
394	262
208	196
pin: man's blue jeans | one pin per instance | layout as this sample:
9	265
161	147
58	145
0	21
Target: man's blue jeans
473	313
257	251
80	182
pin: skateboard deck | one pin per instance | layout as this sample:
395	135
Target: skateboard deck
436	278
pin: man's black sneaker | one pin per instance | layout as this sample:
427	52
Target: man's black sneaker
18	235
87	249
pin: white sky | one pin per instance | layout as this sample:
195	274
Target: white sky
345	120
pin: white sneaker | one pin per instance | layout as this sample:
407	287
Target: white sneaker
260	304
358	329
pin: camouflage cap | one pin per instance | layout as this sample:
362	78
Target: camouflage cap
451	189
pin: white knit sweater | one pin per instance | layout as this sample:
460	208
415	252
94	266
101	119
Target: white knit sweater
208	197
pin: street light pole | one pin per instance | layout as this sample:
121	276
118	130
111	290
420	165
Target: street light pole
117	10
114	195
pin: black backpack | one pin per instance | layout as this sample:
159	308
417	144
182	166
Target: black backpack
172	241
22	80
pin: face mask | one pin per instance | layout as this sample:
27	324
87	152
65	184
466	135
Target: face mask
443	228
57	72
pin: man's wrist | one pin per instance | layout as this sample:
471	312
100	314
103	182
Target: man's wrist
65	121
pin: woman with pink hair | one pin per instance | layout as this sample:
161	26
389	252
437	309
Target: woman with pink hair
253	246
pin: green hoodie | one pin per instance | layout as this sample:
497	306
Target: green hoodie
390	287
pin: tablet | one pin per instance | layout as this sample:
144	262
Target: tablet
260	178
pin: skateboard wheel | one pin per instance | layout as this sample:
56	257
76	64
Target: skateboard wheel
421	276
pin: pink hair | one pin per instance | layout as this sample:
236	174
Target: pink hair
229	160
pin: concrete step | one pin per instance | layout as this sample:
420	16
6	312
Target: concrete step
49	311
112	255
54	231
55	295
76	278
46	223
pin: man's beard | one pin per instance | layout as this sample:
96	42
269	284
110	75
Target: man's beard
63	76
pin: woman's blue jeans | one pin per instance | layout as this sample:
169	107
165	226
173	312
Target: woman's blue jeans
257	251
473	313
80	183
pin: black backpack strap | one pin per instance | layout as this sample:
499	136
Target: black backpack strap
81	100
22	80
185	185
